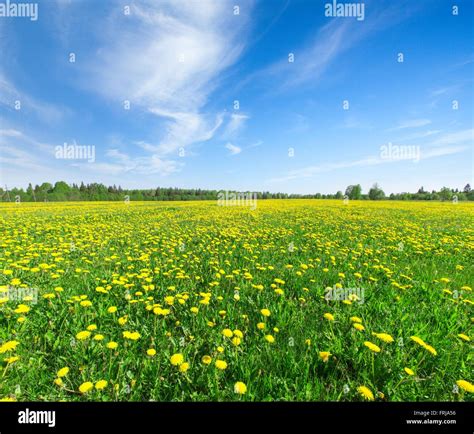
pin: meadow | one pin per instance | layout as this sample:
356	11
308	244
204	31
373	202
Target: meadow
297	300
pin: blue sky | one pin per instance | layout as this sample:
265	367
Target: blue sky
183	65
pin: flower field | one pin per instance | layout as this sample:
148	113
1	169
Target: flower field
306	300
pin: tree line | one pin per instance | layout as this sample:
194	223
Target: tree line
61	191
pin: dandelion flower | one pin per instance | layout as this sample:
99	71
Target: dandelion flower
83	335
206	360
112	345
265	312
372	347
63	372
227	333
22	308
329	316
101	384
240	388
270	339
465	385
384	337
366	393
358	326
324	355
86	387
177	359
221	364
464	337
184	367
151	352
409	371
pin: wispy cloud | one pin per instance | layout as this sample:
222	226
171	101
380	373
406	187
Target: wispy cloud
167	58
10	95
234	150
448	144
411	123
236	123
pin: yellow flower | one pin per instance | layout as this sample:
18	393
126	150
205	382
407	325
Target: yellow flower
12	359
177	359
227	333
238	333
409	371
220	349
92	327
372	347
329	316
236	340
86	387
86	303
464	337
184	367
131	335
358	326
221	364
8	346
123	320
422	343
261	325
384	337
112	345
324	355
240	388
366	393
265	312
151	352
418	340
270	339
112	309
22	308
83	335
356	319
59	382
63	372
101	384
206	360
98	337
465	385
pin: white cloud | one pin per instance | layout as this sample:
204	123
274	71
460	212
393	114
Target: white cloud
457	137
166	58
236	123
412	123
9	94
234	150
